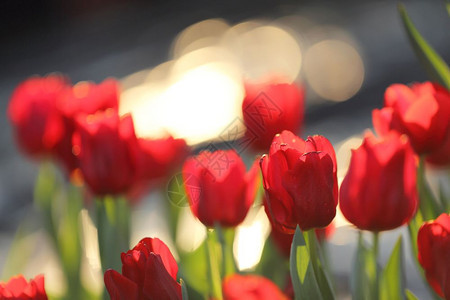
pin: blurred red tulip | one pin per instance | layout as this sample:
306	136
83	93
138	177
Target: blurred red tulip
269	109
433	243
379	191
105	147
17	288
300	182
158	158
36	120
421	111
149	271
84	98
250	287
88	97
219	189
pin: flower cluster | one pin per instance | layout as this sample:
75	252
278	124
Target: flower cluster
80	126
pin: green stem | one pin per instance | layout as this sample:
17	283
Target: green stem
215	282
375	259
113	225
226	238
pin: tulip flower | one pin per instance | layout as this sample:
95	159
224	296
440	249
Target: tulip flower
421	111
149	271
300	182
37	123
18	288
105	146
219	189
433	243
84	98
269	109
379	190
250	287
157	158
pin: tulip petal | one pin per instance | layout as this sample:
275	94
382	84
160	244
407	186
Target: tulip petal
159	285
119	287
311	185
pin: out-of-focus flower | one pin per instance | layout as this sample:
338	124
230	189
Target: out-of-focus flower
105	147
158	158
88	98
18	288
37	122
300	182
441	156
421	111
379	191
84	98
218	188
433	243
250	287
269	109
149	271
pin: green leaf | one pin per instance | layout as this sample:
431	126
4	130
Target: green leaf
435	66
317	259
410	295
392	283
302	270
184	292
194	269
364	272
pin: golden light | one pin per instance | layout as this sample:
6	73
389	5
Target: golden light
334	69
199	35
264	50
190	231
250	238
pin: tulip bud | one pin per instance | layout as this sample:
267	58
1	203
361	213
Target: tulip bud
149	271
300	182
421	111
18	288
379	191
218	188
236	287
269	109
433	242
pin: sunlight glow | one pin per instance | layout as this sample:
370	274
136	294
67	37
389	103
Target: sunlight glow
250	238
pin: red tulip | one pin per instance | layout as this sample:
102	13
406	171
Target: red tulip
433	243
219	189
18	288
105	146
379	191
269	109
38	124
157	158
300	182
421	111
149	272
84	98
87	97
250	287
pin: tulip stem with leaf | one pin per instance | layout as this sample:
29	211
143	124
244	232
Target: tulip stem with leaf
113	225
61	206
